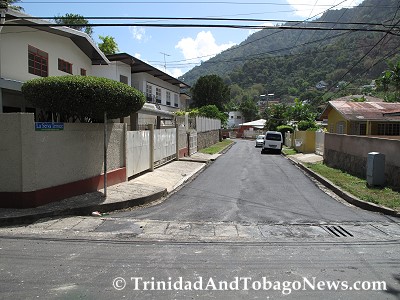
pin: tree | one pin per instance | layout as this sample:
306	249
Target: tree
75	21
389	82
276	115
83	97
301	111
108	45
249	109
8	3
210	89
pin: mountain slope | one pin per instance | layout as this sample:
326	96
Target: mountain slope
290	61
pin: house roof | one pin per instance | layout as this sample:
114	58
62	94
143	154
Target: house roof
364	111
81	39
257	123
138	66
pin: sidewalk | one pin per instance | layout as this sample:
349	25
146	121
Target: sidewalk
146	188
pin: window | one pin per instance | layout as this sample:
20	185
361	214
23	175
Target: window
149	93
168	98
64	66
38	62
123	79
158	95
83	72
363	129
340	127
176	100
389	129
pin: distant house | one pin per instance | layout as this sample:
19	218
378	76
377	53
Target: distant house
363	118
256	125
235	118
321	85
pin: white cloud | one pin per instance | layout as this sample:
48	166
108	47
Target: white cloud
202	47
175	72
307	8
251	31
139	33
137	55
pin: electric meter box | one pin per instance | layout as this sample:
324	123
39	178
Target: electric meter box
376	169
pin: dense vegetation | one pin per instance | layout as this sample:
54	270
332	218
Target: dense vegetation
83	97
289	63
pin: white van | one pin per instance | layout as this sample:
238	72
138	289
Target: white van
273	141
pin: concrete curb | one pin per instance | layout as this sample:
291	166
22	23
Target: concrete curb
81	211
345	195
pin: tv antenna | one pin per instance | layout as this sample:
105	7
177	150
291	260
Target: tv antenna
165	62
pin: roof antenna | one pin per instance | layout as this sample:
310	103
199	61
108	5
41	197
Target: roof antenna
165	62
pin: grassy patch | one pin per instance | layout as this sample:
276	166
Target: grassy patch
288	151
358	187
216	148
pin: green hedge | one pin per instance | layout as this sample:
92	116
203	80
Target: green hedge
85	97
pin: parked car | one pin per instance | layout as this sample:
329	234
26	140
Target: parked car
273	141
260	140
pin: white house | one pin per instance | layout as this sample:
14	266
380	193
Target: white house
235	118
37	49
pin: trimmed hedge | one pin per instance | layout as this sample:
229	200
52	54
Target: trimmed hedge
83	96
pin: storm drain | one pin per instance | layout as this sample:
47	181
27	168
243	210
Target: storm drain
337	231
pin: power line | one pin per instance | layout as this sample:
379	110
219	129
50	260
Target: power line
187	2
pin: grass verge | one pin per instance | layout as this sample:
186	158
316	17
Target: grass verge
216	148
288	151
358	187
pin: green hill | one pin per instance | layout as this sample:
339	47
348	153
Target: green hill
289	62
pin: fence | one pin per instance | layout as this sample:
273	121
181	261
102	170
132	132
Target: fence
319	142
252	134
38	167
206	124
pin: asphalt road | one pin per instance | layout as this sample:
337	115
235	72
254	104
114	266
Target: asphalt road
245	186
57	269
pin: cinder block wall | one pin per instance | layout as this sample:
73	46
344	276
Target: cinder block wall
349	153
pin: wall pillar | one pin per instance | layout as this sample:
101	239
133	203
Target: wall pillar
134	121
1	100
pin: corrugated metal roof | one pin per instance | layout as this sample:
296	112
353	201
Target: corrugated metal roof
371	111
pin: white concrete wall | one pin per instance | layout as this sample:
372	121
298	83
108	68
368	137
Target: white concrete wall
113	71
31	160
14	53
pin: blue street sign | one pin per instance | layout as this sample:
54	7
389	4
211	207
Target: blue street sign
49	126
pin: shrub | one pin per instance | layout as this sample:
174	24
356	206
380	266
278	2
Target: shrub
85	97
306	124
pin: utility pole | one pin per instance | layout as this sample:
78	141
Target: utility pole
165	62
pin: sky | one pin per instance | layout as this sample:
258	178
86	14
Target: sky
177	50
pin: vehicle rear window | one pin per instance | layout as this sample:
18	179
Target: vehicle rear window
273	137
